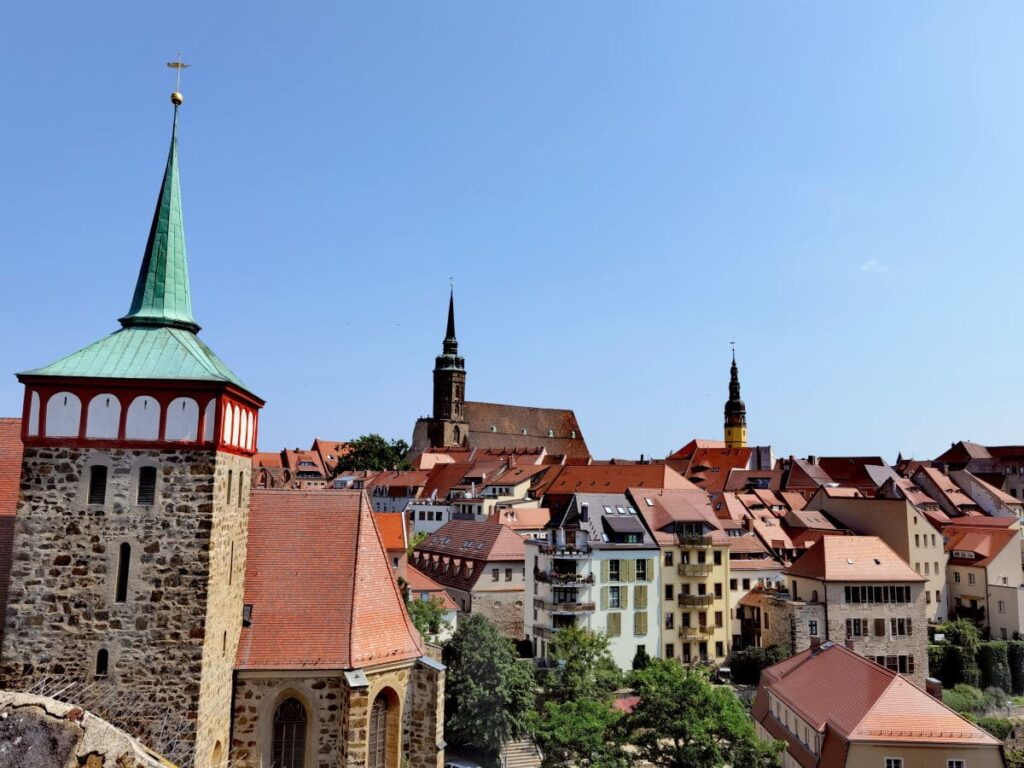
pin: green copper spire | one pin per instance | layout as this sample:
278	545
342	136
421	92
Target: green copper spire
161	293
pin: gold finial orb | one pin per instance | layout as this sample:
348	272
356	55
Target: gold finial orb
177	99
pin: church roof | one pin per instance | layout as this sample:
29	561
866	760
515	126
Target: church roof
158	338
499	426
323	595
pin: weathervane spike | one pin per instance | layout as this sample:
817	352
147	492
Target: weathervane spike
176	97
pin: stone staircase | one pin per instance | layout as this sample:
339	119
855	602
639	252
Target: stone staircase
520	754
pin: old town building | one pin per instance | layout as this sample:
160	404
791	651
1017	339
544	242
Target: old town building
835	709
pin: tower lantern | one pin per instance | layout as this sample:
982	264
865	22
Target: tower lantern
735	410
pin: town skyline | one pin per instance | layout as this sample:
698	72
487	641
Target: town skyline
332	261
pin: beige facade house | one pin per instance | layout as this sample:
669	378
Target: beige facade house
481	565
835	709
908	532
986	583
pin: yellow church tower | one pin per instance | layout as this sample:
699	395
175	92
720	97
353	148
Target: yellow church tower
735	411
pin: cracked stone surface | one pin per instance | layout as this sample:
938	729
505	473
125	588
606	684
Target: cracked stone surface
39	732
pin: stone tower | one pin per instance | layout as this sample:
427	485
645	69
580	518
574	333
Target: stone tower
735	411
130	538
448	427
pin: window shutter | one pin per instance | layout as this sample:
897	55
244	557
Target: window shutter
639	623
640	596
910	626
604	598
650	569
624	598
628	570
614	624
910	665
604	571
879	627
849	627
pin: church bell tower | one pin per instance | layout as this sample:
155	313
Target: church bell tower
130	535
735	411
448	427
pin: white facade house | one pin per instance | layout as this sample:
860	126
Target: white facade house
597	569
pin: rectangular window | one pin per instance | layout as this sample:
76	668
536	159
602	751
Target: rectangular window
812	628
668	558
956	763
613	570
702	557
1002	607
641	570
670	592
670	620
718	557
97	484
900	627
613	597
894	762
718	618
970	579
746	583
670	650
147	486
956	577
495	574
719	649
508	574
733	584
718	590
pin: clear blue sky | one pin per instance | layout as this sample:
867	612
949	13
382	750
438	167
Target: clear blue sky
618	188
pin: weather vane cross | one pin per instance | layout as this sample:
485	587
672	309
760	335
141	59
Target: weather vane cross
178	65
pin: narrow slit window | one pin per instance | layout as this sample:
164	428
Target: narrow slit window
229	485
123	561
231	564
102	662
147	485
97	485
241	478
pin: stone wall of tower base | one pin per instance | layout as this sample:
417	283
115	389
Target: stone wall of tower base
504	609
338	717
168	665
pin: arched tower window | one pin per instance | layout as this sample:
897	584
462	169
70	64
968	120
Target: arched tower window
97	484
289	749
63	415
147	486
378	746
124	559
102	662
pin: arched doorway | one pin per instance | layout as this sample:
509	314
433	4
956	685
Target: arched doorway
289	746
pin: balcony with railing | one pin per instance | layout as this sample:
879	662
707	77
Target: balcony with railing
694	569
696	601
693	540
564	607
696	633
568	552
557	577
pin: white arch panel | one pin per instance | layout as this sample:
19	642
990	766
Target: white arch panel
236	426
209	417
63	415
143	422
250	430
33	414
103	418
228	421
182	419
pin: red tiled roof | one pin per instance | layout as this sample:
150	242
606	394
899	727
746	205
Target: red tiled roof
475	540
10	489
842	694
442	478
523	518
392	530
985	542
853	559
673	505
419	583
607	478
322	591
495	426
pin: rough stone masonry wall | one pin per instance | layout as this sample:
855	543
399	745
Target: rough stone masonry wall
62	610
503	609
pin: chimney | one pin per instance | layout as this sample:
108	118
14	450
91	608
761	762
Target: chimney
812	460
815	643
584	512
849	643
933	687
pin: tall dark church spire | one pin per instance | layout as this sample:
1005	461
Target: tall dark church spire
735	410
448	426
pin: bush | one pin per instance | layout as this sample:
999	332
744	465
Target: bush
966	699
746	665
936	660
994	665
1015	658
999	727
959	666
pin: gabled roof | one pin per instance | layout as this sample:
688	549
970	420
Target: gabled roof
475	540
663	507
499	426
419	583
322	592
391	526
840	693
853	559
612	478
522	518
986	543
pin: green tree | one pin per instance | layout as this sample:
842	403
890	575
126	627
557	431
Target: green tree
683	721
584	669
415	540
373	452
960	661
576	723
488	693
428	616
640	659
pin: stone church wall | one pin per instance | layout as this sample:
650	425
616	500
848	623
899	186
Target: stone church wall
169	632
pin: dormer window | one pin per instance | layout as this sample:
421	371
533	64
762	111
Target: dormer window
963	554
